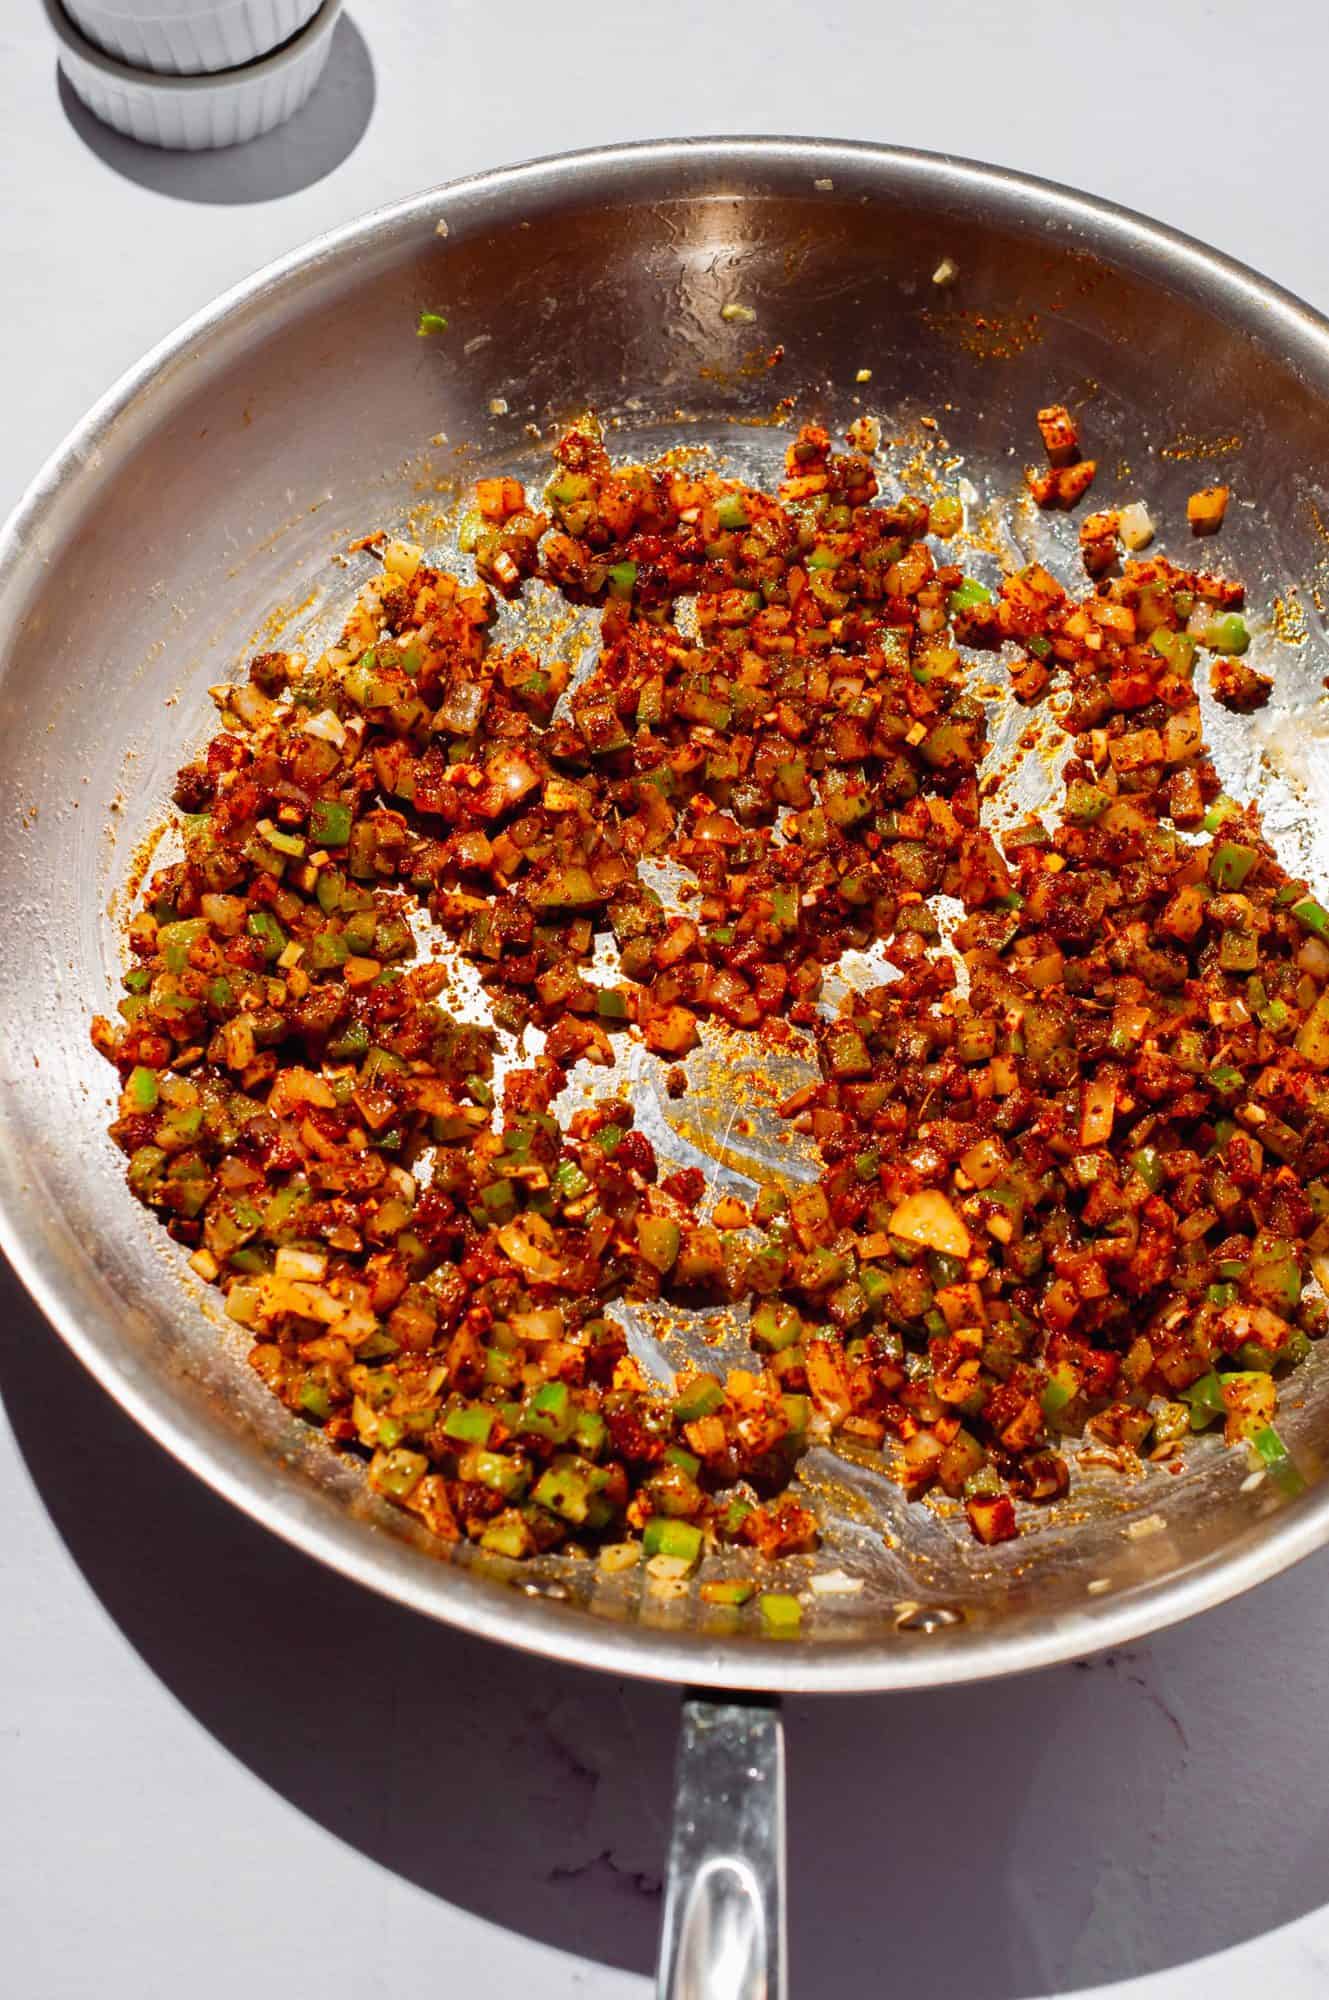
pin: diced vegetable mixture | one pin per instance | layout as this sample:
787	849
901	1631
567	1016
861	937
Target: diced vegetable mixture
1075	1159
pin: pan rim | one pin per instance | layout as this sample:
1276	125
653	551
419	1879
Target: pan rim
394	1568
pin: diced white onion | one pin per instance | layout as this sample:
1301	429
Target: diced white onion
835	1583
402	559
1135	525
327	725
309	1265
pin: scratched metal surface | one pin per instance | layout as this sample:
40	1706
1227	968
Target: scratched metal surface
199	516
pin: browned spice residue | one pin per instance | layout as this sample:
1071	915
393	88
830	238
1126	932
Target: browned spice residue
1318	522
281	618
1186	446
775	419
758	361
1290	619
987	336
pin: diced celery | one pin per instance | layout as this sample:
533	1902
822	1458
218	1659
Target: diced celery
680	1540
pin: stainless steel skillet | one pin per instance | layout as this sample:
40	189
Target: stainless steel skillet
198	510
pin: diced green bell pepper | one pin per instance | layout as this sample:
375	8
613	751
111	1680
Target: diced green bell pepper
470	1425
776	1325
496	1204
1269	1445
549	1413
730	1591
566	1489
1177	648
1312	916
658	1241
141	1088
781	1614
314	1400
507	1535
589	1431
1205	1397
1060	1388
798	1412
1230	864
146	1166
327	950
702	1397
329	823
263	925
1084	802
1225	1079
569	1180
1238	951
1227	634
491	1468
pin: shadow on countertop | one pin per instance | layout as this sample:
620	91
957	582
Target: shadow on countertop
1038	1835
307	148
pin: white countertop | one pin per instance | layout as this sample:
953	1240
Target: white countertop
225	1772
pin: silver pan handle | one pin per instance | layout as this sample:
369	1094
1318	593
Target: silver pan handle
724	1935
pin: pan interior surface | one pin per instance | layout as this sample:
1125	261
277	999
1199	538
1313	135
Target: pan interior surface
704	298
